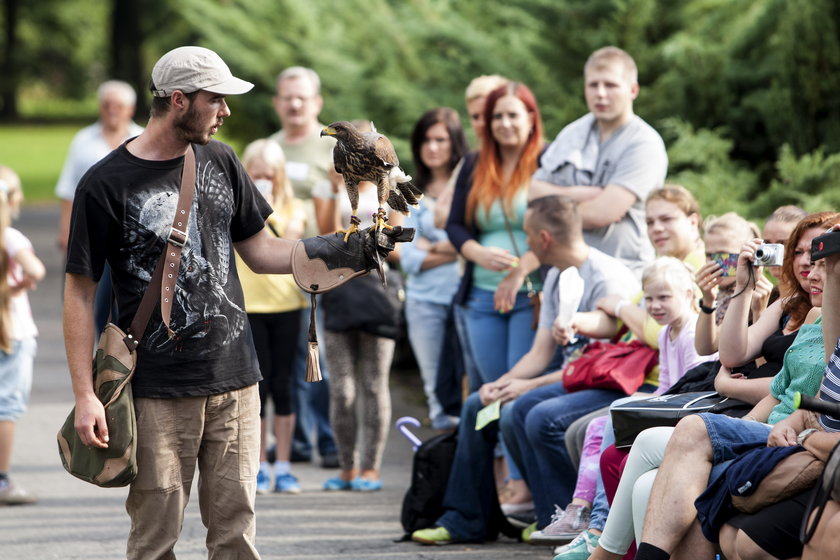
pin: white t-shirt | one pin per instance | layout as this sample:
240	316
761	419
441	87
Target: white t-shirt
23	326
87	148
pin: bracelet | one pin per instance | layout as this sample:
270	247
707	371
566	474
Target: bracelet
618	306
706	310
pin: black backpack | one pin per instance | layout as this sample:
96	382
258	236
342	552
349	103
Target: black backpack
423	502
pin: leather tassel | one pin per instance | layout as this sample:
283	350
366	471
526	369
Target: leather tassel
313	365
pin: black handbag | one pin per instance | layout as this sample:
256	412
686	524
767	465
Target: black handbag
631	418
365	305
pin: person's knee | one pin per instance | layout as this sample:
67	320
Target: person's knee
691	436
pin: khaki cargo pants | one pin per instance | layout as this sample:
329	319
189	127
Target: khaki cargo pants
220	434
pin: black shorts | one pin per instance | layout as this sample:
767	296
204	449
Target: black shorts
776	528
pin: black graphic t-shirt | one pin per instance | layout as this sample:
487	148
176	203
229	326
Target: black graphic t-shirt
122	212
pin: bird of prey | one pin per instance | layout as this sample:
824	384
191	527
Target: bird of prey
370	156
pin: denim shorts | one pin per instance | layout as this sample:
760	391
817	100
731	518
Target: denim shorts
730	436
16	378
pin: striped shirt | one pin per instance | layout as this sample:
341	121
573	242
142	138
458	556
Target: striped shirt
830	390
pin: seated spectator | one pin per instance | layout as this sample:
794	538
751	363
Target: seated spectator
673	227
794	310
555	236
777	229
723	235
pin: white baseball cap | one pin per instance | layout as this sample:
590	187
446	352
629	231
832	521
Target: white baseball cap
190	69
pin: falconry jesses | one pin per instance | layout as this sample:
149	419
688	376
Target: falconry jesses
370	156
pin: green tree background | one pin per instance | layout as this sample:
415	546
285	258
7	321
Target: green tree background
746	93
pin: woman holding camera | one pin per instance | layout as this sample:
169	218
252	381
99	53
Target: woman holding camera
723	236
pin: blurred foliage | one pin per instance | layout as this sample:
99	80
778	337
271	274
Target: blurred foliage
746	93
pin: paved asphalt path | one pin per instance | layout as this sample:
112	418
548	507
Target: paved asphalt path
74	520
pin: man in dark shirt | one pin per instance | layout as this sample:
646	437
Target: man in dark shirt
195	386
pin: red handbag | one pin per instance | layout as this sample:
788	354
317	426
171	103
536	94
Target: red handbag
622	366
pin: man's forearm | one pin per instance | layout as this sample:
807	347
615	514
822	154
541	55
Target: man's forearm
78	323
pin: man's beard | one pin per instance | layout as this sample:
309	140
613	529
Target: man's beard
188	128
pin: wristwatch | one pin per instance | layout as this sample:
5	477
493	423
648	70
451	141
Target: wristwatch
803	435
706	310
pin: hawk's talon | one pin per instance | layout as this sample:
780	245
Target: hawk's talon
354	228
381	220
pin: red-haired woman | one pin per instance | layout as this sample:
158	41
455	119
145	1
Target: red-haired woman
485	225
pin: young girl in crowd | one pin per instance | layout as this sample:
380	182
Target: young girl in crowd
20	270
274	304
668	288
429	261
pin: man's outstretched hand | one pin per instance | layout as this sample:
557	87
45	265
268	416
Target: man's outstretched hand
325	262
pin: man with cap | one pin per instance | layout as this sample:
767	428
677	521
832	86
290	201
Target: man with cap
195	386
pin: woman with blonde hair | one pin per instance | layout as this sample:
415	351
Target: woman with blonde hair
274	304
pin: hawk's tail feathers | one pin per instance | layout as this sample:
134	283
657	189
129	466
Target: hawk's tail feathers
398	202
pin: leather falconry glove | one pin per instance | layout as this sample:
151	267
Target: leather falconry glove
325	262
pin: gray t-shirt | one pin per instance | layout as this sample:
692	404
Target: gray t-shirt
602	275
633	157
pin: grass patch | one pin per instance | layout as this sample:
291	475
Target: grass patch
36	153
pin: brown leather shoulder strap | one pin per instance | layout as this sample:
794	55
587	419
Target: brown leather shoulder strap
165	274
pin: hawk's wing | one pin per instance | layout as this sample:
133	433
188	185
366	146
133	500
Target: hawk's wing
384	150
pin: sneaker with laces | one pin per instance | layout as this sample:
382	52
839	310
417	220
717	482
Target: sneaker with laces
432	535
565	525
13	495
287	484
581	548
263	482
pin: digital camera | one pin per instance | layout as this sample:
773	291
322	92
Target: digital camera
769	254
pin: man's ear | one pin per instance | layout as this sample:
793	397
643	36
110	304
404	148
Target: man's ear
179	100
545	238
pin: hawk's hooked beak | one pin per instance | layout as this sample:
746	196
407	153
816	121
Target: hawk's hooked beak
328	131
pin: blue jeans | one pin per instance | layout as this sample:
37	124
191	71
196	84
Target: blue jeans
311	401
535	432
471	490
497	340
426	328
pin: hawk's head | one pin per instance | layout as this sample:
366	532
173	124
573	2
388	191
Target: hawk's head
342	131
